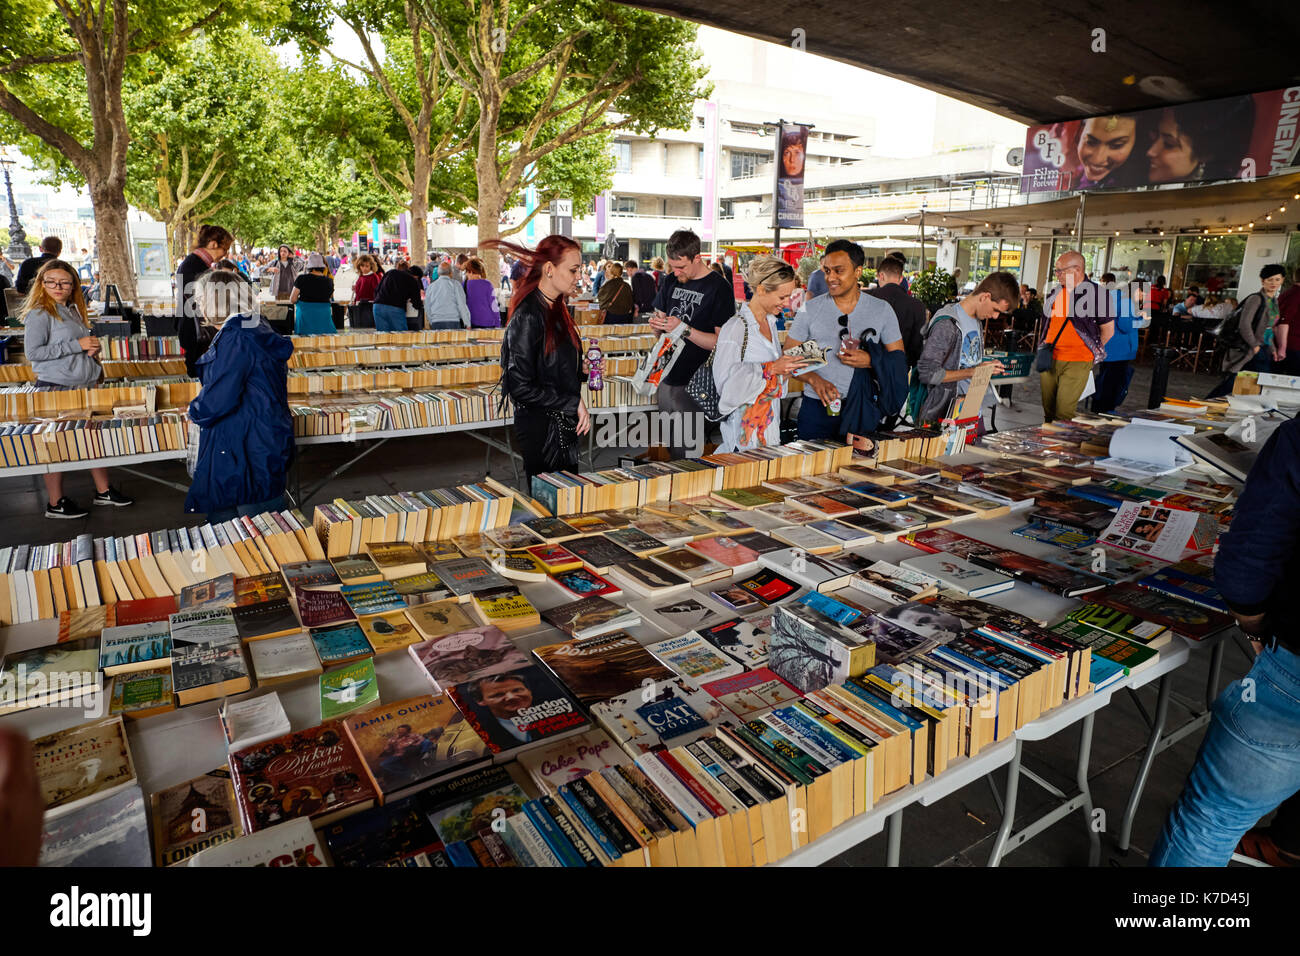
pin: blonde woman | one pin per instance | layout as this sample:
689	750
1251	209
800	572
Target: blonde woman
64	356
749	369
615	296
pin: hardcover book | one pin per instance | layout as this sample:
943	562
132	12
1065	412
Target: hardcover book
462	807
461	656
313	773
671	713
348	688
82	763
752	692
109	832
590	617
519	707
341	644
193	816
408	742
597	668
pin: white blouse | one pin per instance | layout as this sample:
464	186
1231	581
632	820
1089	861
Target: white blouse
739	378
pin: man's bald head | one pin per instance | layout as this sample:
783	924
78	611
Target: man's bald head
1071	269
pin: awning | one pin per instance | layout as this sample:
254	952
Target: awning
1035	62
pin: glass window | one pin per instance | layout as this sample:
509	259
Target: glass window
1213	263
624	204
1013	256
622	157
700	172
744	165
1094	254
1141	260
1293	254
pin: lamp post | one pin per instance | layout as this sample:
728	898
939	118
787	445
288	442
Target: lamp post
18	248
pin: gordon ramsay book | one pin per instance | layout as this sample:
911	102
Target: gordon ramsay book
519	707
314	773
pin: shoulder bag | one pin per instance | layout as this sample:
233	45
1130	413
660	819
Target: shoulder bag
704	390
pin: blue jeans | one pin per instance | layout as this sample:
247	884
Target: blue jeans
262	507
389	318
813	420
1249	762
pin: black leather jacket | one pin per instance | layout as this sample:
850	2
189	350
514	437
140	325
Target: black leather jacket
533	378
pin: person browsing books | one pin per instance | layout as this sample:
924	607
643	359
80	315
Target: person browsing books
702	300
312	299
242	410
1249	761
837	322
954	347
749	369
64	356
541	367
1078	328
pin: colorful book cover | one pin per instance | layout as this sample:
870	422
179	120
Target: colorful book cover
589	616
349	688
312	773
585	583
670	713
725	551
141	693
694	658
396	834
389	632
413	740
1187	581
82	762
215	592
476	808
145	610
468	654
506	607
372	598
1183	618
743	641
259	588
193	816
597	668
519	707
323	608
1059	537
341	644
309	574
752	691
569	759
423	588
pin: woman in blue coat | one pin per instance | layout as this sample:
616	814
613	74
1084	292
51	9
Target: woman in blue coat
246	429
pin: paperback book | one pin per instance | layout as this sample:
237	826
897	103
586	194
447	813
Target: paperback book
597	668
519	707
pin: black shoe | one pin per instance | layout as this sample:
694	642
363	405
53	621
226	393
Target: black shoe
66	508
113	497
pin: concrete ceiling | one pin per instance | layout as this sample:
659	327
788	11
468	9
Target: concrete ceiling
1036	62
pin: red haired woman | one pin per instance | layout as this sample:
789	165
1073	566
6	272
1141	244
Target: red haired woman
541	365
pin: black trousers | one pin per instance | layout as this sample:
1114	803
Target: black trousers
533	438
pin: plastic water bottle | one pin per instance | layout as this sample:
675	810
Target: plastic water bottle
595	366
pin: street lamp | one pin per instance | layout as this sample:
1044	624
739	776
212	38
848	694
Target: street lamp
18	248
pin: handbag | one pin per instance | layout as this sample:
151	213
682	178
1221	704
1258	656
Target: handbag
561	441
1043	356
704	390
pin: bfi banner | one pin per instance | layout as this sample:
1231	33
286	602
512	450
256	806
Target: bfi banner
1238	137
791	155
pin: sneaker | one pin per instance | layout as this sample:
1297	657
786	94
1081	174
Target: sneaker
113	497
66	508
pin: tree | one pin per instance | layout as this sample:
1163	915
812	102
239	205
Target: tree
198	119
546	78
62	64
412	89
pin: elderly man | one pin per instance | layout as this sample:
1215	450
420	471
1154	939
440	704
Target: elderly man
1079	325
444	301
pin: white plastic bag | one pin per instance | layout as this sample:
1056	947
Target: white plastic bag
658	362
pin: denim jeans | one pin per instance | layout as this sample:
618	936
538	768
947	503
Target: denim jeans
389	318
1249	762
813	421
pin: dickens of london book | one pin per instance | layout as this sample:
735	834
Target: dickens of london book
193	816
467	654
517	708
82	764
597	668
404	744
313	773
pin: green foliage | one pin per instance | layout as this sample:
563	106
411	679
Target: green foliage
935	287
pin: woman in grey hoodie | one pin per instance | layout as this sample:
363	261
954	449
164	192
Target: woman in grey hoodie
64	355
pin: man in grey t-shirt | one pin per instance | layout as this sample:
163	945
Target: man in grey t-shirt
837	321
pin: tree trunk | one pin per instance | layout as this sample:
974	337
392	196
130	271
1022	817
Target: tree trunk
109	201
490	199
421	169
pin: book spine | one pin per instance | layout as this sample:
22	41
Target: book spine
585	818
559	845
570	832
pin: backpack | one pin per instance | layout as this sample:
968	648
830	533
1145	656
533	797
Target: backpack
918	391
1228	330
